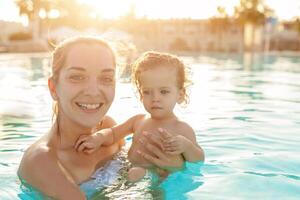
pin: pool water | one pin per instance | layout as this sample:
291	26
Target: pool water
246	116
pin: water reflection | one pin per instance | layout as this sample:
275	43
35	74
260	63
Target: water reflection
246	117
17	84
40	67
248	61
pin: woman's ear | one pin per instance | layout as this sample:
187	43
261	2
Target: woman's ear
52	89
181	96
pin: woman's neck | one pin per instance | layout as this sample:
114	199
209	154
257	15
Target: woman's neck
68	133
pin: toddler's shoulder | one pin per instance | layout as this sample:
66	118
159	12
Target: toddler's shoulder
183	124
139	116
184	128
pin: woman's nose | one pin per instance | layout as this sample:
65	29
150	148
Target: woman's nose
93	87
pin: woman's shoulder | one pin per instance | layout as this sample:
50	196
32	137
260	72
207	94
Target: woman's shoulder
41	168
36	157
38	152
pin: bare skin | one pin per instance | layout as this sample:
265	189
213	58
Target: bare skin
46	158
146	128
171	140
84	90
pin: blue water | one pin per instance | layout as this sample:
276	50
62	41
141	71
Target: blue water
246	116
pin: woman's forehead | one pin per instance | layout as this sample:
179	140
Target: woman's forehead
73	68
84	55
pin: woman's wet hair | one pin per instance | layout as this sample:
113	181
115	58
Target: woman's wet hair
152	59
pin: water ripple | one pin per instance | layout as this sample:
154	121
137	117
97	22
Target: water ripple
247	122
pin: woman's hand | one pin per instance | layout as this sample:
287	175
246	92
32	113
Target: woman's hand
154	144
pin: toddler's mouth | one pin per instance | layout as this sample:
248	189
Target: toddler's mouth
156	107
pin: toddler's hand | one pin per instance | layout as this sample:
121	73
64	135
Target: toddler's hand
175	145
89	143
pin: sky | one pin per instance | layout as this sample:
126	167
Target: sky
199	9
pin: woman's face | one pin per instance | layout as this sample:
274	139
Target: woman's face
86	85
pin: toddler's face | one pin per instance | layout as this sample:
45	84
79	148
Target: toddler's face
159	91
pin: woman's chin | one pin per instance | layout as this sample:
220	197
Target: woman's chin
89	124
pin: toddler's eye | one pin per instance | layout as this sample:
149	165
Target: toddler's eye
164	91
145	92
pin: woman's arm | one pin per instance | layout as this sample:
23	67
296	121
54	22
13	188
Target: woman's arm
41	169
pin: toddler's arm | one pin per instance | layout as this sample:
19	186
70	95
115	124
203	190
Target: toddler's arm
89	143
184	144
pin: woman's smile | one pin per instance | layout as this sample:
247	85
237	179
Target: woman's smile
90	107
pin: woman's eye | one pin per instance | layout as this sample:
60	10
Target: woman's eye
164	91
107	79
77	77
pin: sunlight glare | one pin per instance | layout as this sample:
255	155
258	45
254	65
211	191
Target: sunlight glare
54	14
109	9
285	9
42	14
24	20
196	9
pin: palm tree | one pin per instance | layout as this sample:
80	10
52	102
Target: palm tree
31	9
297	25
252	14
74	13
218	24
71	12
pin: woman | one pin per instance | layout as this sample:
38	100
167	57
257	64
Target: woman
83	86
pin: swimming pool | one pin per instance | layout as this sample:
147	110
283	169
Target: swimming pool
246	117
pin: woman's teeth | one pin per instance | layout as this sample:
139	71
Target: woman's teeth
89	106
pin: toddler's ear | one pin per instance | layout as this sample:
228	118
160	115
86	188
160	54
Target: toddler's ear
52	89
140	95
181	96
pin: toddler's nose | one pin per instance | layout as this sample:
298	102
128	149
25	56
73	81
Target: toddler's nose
155	96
